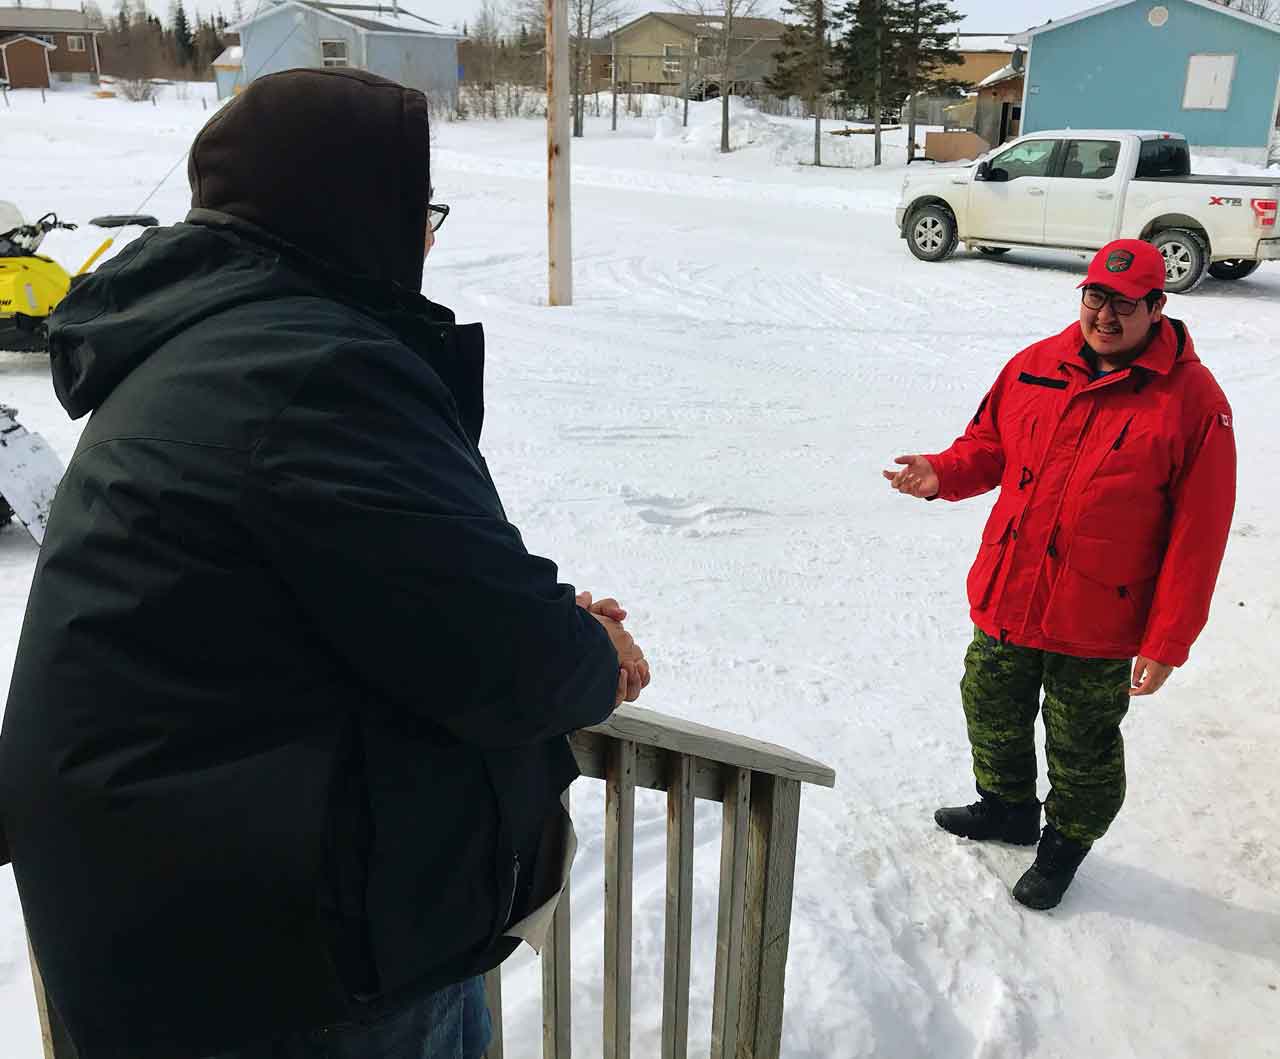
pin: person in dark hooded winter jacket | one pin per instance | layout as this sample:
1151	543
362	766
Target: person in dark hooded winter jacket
284	747
1113	449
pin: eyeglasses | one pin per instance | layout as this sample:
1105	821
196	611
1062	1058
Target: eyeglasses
436	213
1096	298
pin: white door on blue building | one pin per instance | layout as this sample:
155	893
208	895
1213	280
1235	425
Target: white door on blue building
1009	205
1084	194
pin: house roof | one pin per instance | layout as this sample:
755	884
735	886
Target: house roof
6	40
983	42
1006	73
705	26
1102	9
47	20
371	18
230	59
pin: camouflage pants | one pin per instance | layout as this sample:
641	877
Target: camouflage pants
1085	699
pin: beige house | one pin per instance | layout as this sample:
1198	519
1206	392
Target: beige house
653	51
981	55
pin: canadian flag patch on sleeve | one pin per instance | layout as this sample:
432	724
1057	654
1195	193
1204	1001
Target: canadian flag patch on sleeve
1225	419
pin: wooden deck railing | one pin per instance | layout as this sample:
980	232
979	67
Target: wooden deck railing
759	786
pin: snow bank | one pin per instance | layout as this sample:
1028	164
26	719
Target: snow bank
1213	166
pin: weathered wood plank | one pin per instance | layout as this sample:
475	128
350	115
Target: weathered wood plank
54	1038
771	860
733	872
556	1038
493	998
619	852
679	925
698	740
559	223
652	770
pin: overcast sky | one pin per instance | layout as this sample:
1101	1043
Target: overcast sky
981	16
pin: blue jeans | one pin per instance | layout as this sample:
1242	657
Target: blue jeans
450	1024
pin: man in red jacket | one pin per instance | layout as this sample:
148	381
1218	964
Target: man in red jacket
1113	450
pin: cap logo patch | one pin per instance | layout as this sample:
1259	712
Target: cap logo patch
1226	419
1120	261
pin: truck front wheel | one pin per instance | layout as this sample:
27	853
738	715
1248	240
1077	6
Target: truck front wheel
931	233
1233	269
1186	259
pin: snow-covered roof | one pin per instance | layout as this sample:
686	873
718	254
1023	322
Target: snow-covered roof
47	19
1209	5
708	25
231	58
1005	73
984	42
371	18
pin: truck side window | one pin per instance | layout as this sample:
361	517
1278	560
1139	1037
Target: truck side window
1164	158
1091	159
1030	159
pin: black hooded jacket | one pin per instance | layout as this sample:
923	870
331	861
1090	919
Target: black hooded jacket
290	698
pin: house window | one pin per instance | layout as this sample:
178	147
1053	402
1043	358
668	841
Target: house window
1209	80
334	53
671	60
75	43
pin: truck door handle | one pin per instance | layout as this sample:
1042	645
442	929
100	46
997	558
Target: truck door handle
1106	194
1035	191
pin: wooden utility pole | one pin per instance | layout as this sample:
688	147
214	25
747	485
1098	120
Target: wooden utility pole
687	66
819	75
879	76
559	226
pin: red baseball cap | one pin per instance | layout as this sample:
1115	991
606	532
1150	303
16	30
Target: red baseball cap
1129	266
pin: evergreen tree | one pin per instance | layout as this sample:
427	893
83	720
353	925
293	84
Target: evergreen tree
802	64
181	34
869	61
921	29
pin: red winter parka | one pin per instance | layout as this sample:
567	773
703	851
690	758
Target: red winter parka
1116	498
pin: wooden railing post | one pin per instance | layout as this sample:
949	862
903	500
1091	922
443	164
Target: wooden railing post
729	939
555	979
771	864
679	925
619	850
54	1038
493	999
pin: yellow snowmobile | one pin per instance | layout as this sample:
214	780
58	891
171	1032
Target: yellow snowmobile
31	285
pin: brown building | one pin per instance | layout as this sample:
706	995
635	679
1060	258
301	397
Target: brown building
40	47
999	114
654	49
981	55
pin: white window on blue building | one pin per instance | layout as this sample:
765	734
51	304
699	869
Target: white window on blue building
334	53
1209	80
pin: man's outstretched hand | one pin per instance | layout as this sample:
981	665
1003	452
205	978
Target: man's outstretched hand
633	670
917	478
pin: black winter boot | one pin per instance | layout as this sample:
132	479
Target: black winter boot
993	818
1043	884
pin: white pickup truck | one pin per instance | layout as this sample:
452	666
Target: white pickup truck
1078	190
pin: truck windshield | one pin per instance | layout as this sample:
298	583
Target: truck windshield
1164	158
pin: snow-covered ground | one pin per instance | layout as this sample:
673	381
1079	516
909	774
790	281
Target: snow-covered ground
702	435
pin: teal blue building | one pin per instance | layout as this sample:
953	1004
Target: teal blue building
1187	66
